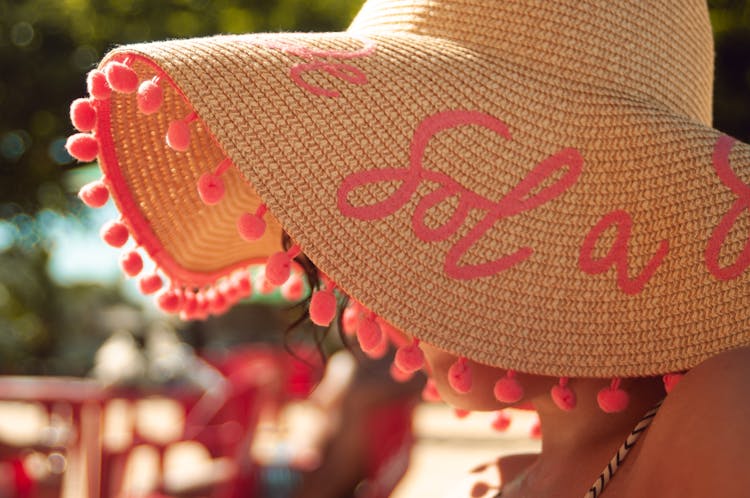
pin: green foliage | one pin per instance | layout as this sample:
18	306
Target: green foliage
46	328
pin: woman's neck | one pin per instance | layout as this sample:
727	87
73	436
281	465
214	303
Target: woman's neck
577	445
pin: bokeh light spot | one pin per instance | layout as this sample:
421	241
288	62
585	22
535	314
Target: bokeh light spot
8	235
12	146
22	34
84	57
58	153
43	123
183	24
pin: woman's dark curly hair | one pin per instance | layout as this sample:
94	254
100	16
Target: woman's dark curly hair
312	277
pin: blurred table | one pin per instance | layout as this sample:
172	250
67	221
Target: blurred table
83	399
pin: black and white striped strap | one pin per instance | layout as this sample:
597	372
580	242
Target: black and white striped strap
606	475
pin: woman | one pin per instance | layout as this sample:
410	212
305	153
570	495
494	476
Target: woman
532	191
693	447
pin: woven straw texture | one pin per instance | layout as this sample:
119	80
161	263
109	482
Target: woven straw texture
624	85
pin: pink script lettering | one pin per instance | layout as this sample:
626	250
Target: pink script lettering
517	201
340	70
618	254
728	177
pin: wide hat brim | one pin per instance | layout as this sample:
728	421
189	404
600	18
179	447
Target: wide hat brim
515	217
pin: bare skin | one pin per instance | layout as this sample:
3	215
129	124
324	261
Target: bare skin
696	446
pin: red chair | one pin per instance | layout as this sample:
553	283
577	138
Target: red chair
391	439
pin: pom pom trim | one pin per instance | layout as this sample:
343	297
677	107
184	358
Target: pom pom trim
191	289
251	227
460	376
409	358
508	389
98	86
430	392
323	306
369	333
150	96
121	77
612	399
563	396
501	421
94	194
83	114
141	230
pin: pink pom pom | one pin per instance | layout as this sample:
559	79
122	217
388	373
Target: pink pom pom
98	86
461	413
279	266
369	333
459	376
671	380
612	399
121	77
131	263
262	284
169	301
350	318
94	194
399	375
409	358
114	233
430	392
150	283
536	431
83	147
242	281
380	349
189	305
217	302
501	422
563	396
210	188
201	307
83	114
149	97
178	135
293	288
251	227
230	291
323	307
507	389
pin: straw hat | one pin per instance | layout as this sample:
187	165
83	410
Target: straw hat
530	185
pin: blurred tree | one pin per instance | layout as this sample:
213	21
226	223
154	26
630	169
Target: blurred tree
47	328
47	46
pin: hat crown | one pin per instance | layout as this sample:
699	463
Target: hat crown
659	51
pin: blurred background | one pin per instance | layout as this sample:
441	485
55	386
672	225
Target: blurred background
62	296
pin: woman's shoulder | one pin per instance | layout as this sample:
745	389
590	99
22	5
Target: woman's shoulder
699	441
717	389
